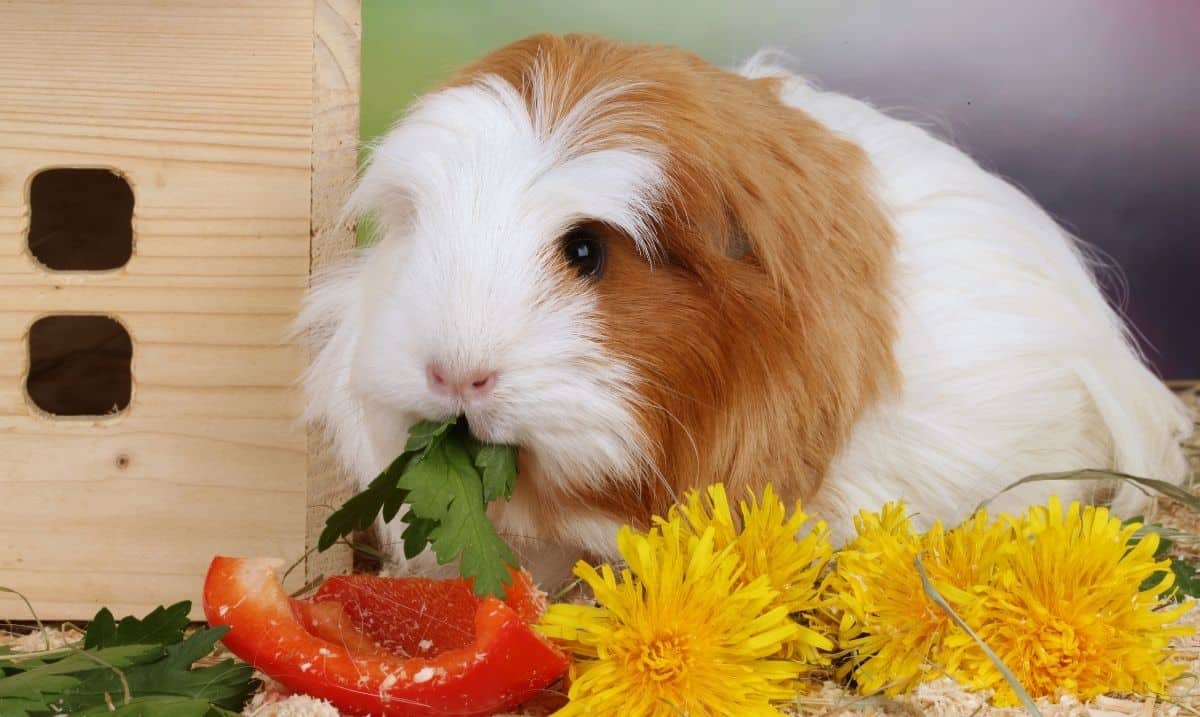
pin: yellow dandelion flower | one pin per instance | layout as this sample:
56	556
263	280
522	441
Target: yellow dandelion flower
769	545
676	633
896	636
1067	612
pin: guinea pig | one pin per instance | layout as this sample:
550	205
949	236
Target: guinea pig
649	274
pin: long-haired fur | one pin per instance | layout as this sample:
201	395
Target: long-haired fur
798	290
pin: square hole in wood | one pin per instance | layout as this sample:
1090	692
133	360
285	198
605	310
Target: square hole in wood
79	365
80	219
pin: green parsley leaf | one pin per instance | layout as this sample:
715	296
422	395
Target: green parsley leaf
152	656
416	535
226	684
447	478
47	683
499	467
164	626
360	511
424	433
158	706
444	486
381	495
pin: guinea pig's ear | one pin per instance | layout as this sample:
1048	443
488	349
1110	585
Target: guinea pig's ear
723	233
737	242
381	199
798	201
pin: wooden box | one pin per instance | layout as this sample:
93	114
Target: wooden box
170	175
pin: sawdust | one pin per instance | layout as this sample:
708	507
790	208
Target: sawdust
273	701
31	639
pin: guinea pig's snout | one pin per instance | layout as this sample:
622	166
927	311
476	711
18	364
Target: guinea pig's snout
466	385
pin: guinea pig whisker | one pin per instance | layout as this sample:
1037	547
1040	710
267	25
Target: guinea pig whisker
679	394
659	477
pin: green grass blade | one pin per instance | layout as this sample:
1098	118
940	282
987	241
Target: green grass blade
1012	680
1170	490
36	619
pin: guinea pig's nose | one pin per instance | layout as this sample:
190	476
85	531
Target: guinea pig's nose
467	385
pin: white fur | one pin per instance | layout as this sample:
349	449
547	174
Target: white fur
471	196
1012	361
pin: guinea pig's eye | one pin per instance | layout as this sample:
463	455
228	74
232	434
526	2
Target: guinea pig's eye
584	251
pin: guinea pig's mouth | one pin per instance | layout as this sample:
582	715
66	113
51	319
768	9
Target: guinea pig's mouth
486	427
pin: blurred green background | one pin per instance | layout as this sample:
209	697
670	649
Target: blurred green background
409	46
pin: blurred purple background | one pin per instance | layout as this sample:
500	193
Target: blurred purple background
1091	107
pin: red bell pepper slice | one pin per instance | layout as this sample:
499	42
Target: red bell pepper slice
396	647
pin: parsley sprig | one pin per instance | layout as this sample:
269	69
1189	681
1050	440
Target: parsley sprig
447	478
131	668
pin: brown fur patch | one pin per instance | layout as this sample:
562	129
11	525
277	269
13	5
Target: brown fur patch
754	367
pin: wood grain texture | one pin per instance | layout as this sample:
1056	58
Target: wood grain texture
227	119
337	34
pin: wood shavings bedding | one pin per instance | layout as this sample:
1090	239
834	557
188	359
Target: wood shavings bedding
272	702
34	640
